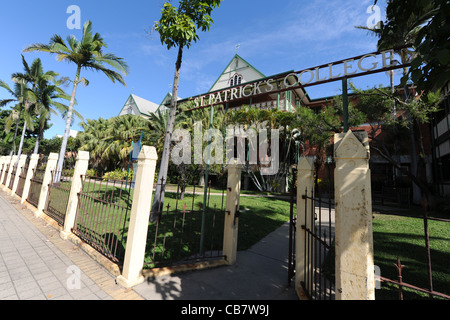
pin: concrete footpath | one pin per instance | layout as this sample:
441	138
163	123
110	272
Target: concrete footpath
36	264
260	273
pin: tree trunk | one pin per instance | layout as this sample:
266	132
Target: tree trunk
62	152
38	138
21	140
164	165
13	150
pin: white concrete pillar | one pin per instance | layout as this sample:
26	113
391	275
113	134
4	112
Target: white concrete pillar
31	168
8	177
49	169
77	184
20	165
353	226
230	236
139	219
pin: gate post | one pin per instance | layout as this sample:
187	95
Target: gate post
31	167
353	225
230	233
139	218
20	165
77	184
51	166
305	182
9	173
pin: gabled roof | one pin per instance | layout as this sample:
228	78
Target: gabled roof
143	106
240	66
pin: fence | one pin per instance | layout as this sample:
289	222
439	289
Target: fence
318	279
102	215
58	196
12	176
177	236
22	178
36	184
5	173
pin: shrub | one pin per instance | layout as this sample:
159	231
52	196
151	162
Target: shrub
118	174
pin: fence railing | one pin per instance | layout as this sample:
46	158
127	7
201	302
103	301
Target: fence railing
36	186
58	197
113	217
5	174
176	235
102	215
318	280
22	178
13	176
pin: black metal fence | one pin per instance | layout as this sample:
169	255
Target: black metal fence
103	213
13	176
58	197
36	184
188	226
318	281
22	178
5	176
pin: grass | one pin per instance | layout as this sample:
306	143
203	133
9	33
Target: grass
108	223
259	216
403	237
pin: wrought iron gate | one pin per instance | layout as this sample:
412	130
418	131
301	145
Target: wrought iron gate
175	237
318	263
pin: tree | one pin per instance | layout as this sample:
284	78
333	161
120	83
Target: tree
40	94
178	28
85	54
378	106
15	114
408	23
430	69
109	141
254	119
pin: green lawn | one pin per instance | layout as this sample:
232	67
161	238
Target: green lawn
259	217
403	237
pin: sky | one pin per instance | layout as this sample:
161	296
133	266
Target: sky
274	36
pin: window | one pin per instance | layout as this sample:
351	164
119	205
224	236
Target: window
236	80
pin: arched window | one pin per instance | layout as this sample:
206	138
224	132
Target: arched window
236	80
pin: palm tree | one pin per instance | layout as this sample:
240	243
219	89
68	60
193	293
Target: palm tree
109	141
85	54
15	113
26	98
46	95
40	94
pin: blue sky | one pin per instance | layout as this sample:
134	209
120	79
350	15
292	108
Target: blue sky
274	36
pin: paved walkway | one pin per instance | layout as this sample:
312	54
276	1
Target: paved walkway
35	263
260	273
